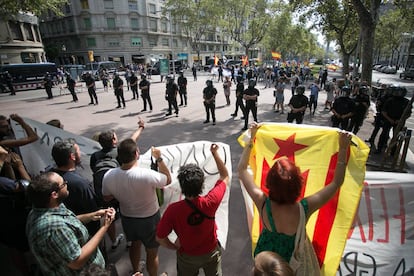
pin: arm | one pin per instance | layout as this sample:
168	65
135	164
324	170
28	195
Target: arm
167	243
137	133
162	167
245	177
31	134
224	174
18	165
89	248
318	199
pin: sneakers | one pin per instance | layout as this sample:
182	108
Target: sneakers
117	241
206	121
233	115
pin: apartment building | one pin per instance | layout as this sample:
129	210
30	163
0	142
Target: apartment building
20	40
129	31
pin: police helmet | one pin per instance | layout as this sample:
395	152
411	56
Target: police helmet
346	89
300	89
143	75
252	82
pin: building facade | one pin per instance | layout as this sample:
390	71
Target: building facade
20	40
129	31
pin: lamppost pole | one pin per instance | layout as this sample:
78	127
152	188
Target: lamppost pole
172	44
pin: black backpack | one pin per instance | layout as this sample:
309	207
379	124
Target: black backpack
102	166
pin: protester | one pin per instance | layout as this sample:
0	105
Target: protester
226	88
134	188
7	137
281	211
57	238
268	263
192	219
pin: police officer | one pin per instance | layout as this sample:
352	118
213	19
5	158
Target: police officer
239	97
144	85
90	84
298	104
134	85
209	97
342	109
182	86
171	95
118	85
47	82
250	96
362	103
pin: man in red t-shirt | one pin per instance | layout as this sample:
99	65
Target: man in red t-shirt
192	219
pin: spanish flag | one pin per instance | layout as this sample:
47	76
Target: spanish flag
245	60
276	55
216	60
314	150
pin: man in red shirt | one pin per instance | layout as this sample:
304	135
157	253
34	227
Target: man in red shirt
192	219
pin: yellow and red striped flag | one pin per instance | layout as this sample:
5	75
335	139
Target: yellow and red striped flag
276	55
314	150
245	60
216	60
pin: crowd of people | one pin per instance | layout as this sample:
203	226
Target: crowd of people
68	216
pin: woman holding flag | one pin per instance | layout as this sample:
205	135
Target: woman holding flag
282	212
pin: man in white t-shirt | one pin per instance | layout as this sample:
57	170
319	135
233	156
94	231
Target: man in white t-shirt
135	189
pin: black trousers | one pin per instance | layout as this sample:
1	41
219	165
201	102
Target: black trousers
73	93
239	103
172	102
253	108
92	95
119	93
210	108
146	98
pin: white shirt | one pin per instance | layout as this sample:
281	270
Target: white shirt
134	189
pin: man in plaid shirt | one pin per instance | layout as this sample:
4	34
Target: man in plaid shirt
57	238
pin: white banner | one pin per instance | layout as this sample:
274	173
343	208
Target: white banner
37	156
381	241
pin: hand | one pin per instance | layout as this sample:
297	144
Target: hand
177	243
214	148
15	160
344	139
109	217
97	215
253	129
141	122
156	153
16	118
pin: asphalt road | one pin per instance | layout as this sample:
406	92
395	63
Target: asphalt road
83	119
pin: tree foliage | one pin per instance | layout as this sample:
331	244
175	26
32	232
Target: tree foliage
8	8
245	21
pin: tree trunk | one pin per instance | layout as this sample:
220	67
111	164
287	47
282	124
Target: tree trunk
368	33
345	63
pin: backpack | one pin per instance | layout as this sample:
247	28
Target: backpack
102	166
297	81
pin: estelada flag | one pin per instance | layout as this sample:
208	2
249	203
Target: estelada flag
216	60
276	55
314	150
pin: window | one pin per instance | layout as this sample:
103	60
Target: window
67	8
136	42
87	23
110	22
113	43
28	31
84	4
91	42
133	5
36	33
108	4
164	26
15	30
134	24
165	42
153	25
63	26
175	43
174	28
152	9
152	42
71	25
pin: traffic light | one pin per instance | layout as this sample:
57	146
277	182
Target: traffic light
90	56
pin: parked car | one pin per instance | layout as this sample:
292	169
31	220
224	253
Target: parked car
389	70
407	74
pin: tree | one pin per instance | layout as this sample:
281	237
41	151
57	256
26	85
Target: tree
8	8
195	18
246	21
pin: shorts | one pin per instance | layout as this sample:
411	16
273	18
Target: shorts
280	98
142	229
188	265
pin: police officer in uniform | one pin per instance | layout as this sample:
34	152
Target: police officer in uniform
342	109
118	85
239	97
362	103
298	104
47	82
90	84
171	95
209	96
250	96
182	86
144	85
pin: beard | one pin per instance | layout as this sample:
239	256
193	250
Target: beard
62	196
